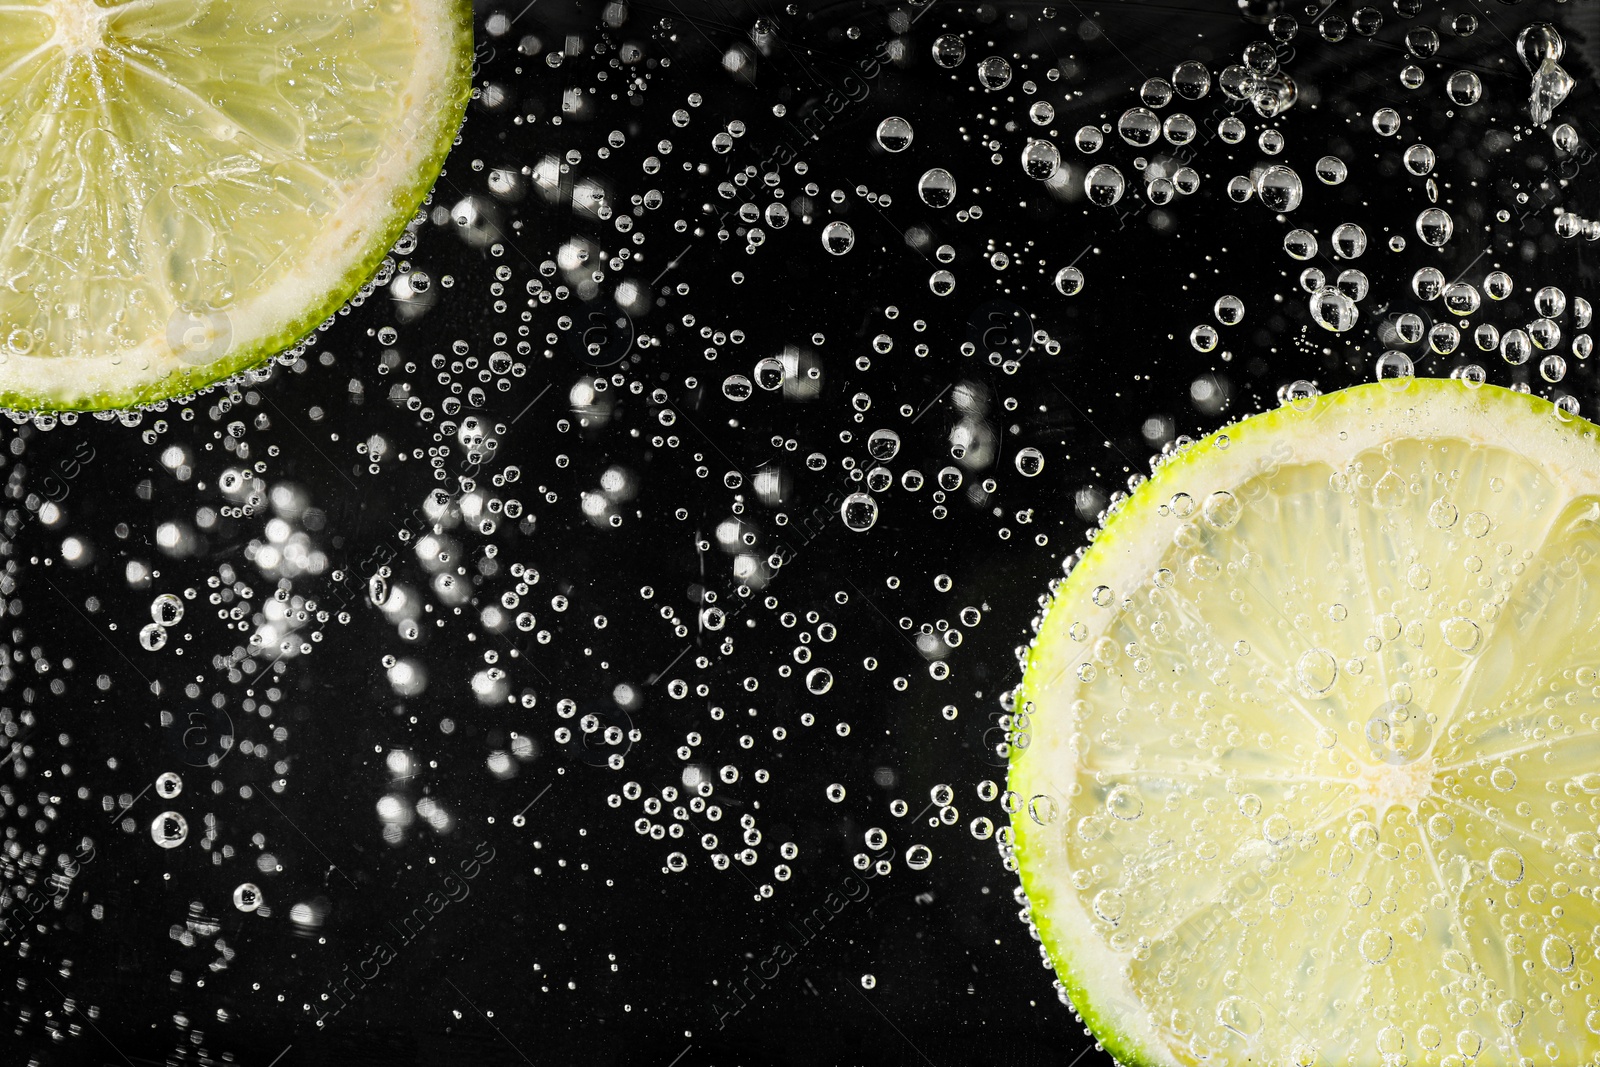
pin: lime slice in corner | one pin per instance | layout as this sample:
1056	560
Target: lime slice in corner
188	187
1305	765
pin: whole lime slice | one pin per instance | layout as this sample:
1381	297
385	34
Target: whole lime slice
1306	758
188	187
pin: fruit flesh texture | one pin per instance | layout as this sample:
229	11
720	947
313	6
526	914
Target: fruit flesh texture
1369	830
189	187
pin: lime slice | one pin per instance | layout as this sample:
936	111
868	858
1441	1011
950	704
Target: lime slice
1305	765
187	187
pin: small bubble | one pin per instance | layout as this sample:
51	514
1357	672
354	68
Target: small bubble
937	187
1125	803
1279	188
1222	509
949	51
1506	865
166	609
169	829
1376	946
1464	88
1435	226
1040	159
1043	809
1104	185
994	73
1558	953
1462	634
1316	671
895	134
859	512
838	238
247	896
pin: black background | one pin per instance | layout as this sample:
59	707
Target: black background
576	945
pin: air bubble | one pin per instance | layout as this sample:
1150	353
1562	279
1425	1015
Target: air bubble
949	51
994	73
1316	671
895	134
1435	227
1040	159
1125	803
1104	185
936	187
1331	170
169	829
1300	244
166	610
838	238
1506	865
859	512
1279	188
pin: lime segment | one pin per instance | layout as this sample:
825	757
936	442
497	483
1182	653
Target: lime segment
189	186
1305	756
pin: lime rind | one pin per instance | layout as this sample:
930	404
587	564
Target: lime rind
1562	445
437	126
